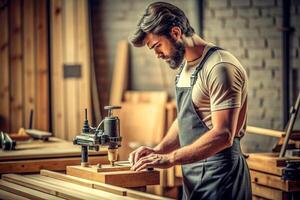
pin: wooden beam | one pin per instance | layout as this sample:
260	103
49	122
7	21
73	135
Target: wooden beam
120	74
58	117
35	165
41	116
23	191
16	67
4	70
127	179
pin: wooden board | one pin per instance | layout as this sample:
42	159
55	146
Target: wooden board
48	188
41	116
120	74
16	60
108	168
57	164
54	148
268	193
127	179
10	196
268	162
273	181
24	191
101	186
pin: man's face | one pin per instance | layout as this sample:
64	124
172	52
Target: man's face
166	48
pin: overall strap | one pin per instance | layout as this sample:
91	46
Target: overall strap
200	66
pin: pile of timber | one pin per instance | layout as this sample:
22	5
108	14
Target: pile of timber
53	185
266	171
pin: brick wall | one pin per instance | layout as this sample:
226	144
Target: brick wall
248	28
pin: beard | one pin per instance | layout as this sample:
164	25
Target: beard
177	54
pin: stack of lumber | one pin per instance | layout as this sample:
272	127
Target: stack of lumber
53	185
266	171
54	154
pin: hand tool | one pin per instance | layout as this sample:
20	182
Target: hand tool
6	143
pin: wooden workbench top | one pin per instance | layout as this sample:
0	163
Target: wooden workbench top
54	148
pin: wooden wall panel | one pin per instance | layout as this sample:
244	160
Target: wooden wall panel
70	45
42	68
16	66
24	64
29	62
4	69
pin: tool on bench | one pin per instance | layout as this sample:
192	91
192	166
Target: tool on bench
6	143
107	133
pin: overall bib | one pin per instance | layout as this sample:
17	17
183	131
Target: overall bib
222	176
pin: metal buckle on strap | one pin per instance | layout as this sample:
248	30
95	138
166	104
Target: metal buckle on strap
193	79
177	78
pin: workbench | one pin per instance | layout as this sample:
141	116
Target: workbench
55	154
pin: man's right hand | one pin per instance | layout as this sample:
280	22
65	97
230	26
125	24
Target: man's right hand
139	153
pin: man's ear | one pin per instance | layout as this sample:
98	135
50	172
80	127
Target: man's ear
176	33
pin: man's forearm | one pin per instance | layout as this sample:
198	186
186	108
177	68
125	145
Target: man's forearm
171	141
209	144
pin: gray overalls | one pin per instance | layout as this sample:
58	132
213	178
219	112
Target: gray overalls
222	176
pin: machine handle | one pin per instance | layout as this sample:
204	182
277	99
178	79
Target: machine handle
110	108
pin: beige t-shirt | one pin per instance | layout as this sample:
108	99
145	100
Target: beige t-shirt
221	84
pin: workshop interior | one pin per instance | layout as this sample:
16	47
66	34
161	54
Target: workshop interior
76	97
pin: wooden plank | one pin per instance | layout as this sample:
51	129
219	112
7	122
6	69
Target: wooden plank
29	62
25	192
83	57
54	148
267	192
100	194
4	70
71	85
120	74
108	168
10	196
46	188
101	186
41	114
273	181
57	164
16	67
127	179
58	117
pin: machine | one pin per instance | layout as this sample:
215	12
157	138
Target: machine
107	133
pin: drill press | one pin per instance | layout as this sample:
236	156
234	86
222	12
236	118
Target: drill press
107	133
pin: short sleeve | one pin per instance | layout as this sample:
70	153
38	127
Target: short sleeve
225	84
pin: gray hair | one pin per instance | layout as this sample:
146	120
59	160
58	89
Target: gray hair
159	18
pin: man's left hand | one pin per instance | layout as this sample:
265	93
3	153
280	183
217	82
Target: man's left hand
154	161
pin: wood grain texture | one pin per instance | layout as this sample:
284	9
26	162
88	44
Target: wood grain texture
120	74
16	66
268	193
4	71
55	164
273	181
23	191
127	179
41	118
29	61
10	196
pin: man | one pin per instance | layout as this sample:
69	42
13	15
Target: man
211	95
